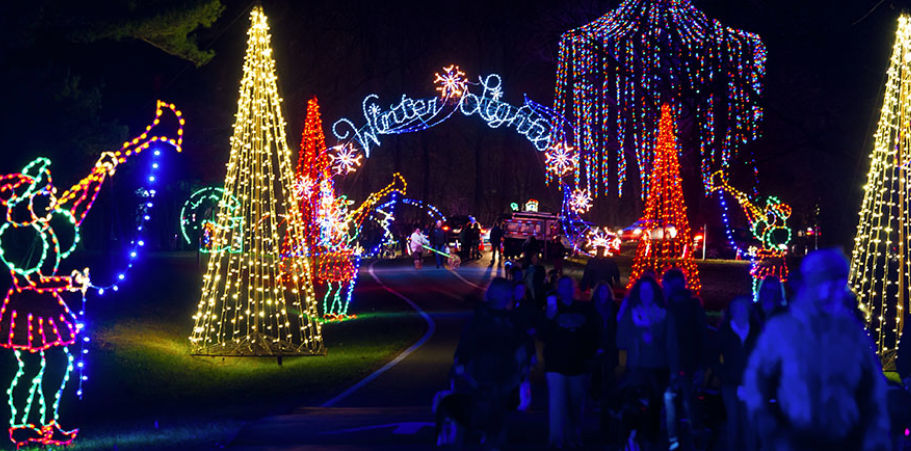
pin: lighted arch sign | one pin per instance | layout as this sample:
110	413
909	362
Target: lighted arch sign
532	120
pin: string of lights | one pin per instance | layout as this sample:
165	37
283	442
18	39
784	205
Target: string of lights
251	305
34	316
880	261
615	74
768	225
531	120
198	219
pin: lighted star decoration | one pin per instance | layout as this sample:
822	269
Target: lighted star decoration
345	160
452	83
561	159
580	201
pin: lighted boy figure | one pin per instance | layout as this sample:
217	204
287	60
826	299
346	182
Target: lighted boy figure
39	230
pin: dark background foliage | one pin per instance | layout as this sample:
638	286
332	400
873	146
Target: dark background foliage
80	76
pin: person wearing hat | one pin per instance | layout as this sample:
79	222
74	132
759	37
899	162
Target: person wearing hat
35	321
813	381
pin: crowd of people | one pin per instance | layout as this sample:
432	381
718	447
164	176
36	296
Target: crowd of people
798	375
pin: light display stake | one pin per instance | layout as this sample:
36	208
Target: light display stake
531	205
615	74
880	260
34	317
249	305
531	120
668	242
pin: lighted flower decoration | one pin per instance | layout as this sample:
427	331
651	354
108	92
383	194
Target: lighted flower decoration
580	201
345	159
452	83
561	159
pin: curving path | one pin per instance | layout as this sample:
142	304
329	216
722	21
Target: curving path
391	408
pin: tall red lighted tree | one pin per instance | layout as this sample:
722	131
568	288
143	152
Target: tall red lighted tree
667	241
313	172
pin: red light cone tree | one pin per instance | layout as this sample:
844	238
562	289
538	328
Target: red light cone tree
312	170
667	242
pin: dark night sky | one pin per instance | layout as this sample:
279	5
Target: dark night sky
822	92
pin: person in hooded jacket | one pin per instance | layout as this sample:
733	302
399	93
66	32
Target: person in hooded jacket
813	381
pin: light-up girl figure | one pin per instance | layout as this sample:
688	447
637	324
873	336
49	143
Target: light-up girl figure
39	230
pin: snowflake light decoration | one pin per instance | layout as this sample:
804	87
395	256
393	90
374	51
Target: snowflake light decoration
345	159
580	201
452	83
602	239
303	186
561	159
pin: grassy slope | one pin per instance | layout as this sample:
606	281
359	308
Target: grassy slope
146	392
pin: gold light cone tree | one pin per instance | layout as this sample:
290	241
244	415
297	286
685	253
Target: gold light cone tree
667	241
258	300
880	259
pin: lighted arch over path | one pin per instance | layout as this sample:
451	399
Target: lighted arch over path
532	120
537	123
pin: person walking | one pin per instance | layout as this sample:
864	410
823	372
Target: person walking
496	239
600	268
535	275
732	345
686	353
813	381
557	252
642	338
438	241
570	333
531	247
770	299
487	367
465	241
417	243
476	240
604	374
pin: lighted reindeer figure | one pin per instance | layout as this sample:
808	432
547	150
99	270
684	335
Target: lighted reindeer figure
768	225
40	229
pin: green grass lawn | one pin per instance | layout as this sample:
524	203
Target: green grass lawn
146	392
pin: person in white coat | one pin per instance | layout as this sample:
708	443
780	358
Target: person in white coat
418	241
